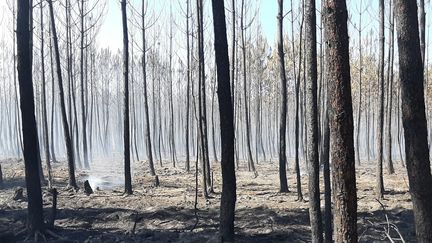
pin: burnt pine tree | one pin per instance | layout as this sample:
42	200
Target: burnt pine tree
68	140
126	132
146	108
44	104
228	199
283	117
312	121
379	190
414	117
30	136
341	122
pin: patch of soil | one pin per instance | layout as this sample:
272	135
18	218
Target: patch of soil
166	213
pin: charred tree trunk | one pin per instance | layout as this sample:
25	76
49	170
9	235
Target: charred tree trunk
341	122
126	132
68	140
228	199
188	93
390	167
251	164
146	108
83	108
282	124
379	188
30	136
312	121
44	105
414	117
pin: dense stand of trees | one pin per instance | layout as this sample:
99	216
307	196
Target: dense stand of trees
73	107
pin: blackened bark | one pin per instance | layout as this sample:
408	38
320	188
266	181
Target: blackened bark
390	167
422	25
341	122
146	108
414	117
379	187
228	199
44	105
282	124
68	140
83	104
188	73
126	132
251	164
30	136
312	158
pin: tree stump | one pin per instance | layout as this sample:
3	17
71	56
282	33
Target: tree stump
157	183
87	188
1	176
18	194
53	213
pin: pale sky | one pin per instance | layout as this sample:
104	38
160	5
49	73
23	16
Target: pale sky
110	34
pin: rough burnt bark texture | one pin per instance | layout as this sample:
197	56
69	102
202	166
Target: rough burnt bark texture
312	121
282	124
379	189
228	199
30	136
414	117
126	133
341	122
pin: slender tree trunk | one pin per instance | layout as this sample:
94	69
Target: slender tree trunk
379	188
282	124
83	113
146	109
201	99
30	136
297	111
414	117
312	121
341	122
188	94
44	106
390	168
126	133
228	199
68	140
359	111
53	96
422	25
251	163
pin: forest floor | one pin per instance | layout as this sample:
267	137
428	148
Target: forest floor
166	213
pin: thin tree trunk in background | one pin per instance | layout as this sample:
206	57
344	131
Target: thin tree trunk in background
414	117
422	26
201	99
171	106
126	133
146	109
390	168
297	111
31	151
359	111
83	113
251	164
53	96
379	187
341	122
188	93
282	124
44	106
68	140
228	198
